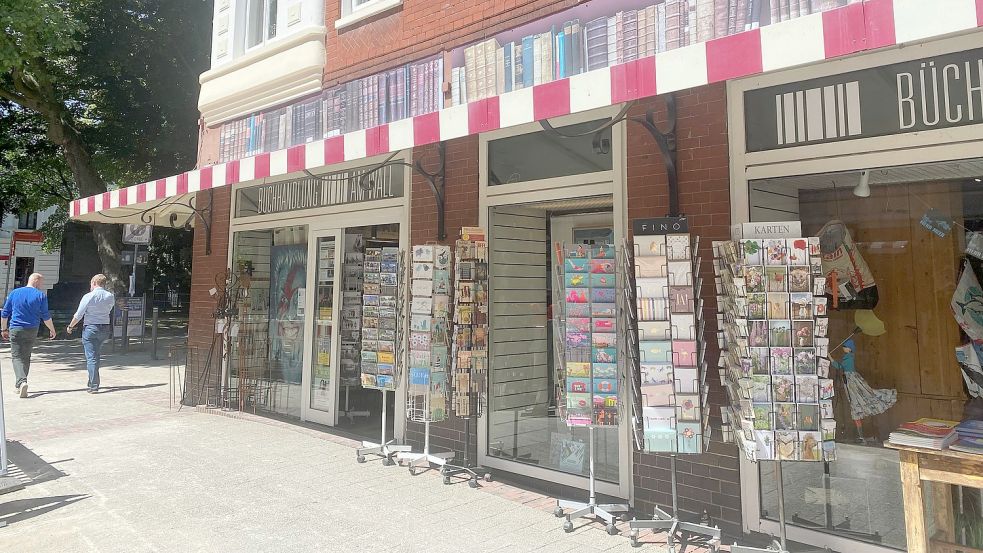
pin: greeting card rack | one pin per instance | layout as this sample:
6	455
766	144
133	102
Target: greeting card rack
670	373
586	346
469	348
429	349
394	261
774	354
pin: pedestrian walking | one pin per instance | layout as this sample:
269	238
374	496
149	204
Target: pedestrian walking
95	308
23	312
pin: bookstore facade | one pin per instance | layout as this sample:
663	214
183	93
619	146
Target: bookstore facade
878	156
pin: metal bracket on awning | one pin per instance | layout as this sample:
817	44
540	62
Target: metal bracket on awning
440	174
203	214
666	140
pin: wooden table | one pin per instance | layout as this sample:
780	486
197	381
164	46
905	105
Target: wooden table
942	468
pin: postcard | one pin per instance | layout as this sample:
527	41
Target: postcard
650	246
797	250
576	280
575	265
577	295
784	388
602	266
423	253
421	305
754	279
678	247
776	251
651	267
751	252
422	287
603	281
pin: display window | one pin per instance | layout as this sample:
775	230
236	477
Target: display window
895	243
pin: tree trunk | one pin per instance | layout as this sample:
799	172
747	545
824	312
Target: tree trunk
108	237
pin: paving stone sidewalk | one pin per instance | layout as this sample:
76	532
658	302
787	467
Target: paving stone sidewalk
119	471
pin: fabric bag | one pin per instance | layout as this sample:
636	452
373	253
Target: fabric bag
849	282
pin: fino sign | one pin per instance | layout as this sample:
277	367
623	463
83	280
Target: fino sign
931	93
659	225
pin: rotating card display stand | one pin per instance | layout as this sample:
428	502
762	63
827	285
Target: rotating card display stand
429	352
587	366
665	354
469	349
774	361
383	336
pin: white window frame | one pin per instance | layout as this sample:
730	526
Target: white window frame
352	13
246	17
612	182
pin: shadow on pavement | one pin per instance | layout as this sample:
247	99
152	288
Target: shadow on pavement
33	468
103	390
20	510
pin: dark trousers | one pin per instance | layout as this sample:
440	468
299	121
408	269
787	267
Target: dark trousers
21	345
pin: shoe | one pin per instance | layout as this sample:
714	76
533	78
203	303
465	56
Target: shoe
23	389
93	390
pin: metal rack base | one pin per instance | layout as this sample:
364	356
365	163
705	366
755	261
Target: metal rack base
677	531
608	512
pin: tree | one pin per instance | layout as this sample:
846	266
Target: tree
111	85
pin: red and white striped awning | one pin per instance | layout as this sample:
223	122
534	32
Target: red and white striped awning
809	39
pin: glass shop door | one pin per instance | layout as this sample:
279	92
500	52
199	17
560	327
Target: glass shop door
321	376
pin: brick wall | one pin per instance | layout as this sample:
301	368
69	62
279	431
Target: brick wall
421	28
710	481
204	268
461	210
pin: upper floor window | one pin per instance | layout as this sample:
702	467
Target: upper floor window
354	11
28	221
261	18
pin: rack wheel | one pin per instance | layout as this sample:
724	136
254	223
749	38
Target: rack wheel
447	480
633	536
568	527
487	477
612	529
412	472
558	512
360	458
473	483
387	461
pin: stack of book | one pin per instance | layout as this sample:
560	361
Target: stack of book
925	433
970	437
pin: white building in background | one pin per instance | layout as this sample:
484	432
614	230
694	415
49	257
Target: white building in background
21	253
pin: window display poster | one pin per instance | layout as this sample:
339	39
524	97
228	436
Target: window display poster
288	274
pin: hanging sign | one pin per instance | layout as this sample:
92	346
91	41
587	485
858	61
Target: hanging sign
660	225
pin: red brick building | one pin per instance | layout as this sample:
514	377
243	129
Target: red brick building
305	96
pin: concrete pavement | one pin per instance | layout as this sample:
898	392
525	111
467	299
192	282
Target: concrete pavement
119	471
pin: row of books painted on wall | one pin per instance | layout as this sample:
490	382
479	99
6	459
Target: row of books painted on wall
671	352
407	91
587	338
492	67
774	342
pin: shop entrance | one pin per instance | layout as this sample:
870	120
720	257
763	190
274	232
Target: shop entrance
334	394
523	426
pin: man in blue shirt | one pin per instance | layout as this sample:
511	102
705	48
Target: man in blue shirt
95	308
25	309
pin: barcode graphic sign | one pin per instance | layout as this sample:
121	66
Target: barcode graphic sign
818	114
927	94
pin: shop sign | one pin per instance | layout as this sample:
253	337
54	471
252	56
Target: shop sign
931	93
345	187
659	225
776	229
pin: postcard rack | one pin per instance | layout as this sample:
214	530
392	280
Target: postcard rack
469	347
670	372
429	349
383	338
774	361
586	346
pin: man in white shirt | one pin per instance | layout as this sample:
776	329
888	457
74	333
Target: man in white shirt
95	308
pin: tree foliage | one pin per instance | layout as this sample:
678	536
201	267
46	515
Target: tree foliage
96	95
